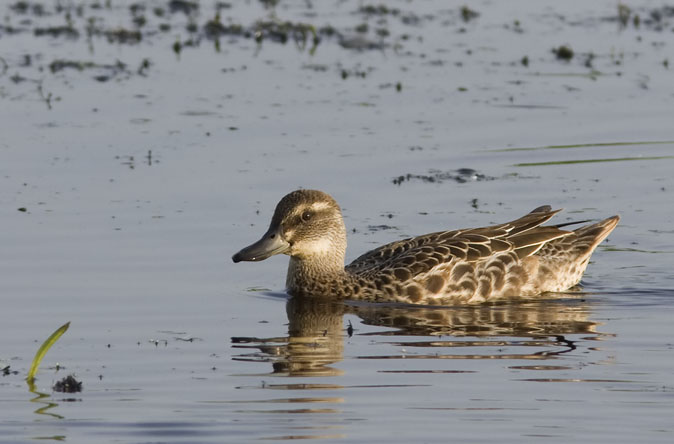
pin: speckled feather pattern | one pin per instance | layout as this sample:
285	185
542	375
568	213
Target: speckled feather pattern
521	258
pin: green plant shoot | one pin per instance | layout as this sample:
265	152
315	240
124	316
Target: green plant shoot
46	345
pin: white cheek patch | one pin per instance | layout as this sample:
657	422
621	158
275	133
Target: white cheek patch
318	246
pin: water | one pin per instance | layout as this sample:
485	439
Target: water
138	188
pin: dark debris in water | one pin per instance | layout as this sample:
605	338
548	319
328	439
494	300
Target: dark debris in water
373	29
22	7
380	9
214	29
468	14
103	72
183	6
382	227
563	52
124	36
462	175
149	21
6	370
656	19
283	31
58	31
68	385
357	72
360	43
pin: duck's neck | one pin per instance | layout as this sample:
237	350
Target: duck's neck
315	275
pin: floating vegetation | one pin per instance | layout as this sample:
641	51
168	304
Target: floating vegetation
468	14
382	227
656	19
144	67
362	28
60	65
354	72
58	31
586	145
6	370
214	29
22	7
105	71
636	250
186	7
380	9
327	31
360	43
269	4
304	35
573	162
624	13
591	75
123	36
44	348
273	30
564	52
68	385
192	22
462	175
282	31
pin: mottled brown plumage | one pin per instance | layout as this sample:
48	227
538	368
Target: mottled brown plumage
516	259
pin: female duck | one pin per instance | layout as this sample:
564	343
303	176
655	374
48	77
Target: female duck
515	259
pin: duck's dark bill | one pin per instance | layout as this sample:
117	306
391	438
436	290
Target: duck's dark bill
270	244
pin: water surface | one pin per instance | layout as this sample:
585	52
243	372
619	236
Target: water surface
129	176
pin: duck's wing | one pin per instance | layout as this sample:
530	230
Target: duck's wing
524	236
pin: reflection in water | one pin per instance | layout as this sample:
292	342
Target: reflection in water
314	341
44	400
531	319
534	331
316	333
544	323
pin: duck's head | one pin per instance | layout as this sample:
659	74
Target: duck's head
307	224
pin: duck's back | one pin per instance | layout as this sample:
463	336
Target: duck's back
519	258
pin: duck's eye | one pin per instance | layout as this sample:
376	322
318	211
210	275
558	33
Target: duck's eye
307	215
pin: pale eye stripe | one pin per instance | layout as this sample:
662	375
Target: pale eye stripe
319	206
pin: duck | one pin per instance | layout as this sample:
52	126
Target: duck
512	260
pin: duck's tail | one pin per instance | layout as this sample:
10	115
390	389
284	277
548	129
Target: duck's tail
590	236
562	261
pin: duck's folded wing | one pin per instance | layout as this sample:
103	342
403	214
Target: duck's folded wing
404	250
524	236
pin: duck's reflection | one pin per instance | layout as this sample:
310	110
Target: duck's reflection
536	318
314	338
314	341
316	333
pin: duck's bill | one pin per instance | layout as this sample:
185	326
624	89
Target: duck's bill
271	243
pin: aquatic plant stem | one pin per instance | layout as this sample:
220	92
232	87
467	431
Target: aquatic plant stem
46	345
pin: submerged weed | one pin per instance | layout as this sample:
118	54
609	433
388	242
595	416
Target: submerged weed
564	52
468	14
68	385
